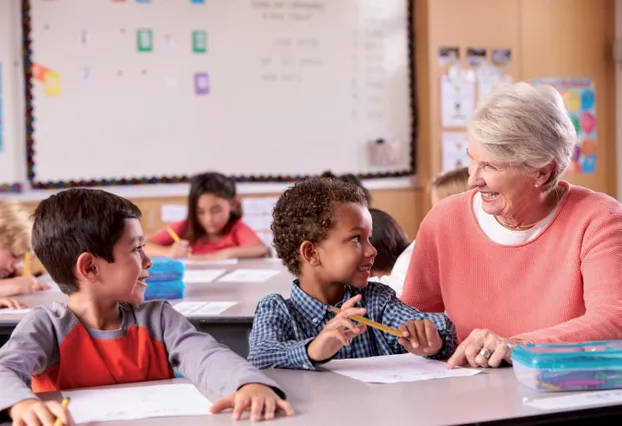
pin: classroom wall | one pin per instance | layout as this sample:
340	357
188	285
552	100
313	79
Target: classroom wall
548	38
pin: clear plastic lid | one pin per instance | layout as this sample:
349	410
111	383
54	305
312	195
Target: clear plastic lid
590	355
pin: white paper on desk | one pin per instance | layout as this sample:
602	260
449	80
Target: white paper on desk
196	262
200	309
200	276
7	311
249	275
585	399
395	368
138	402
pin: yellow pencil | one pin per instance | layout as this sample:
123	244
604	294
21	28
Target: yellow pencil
176	238
173	234
27	263
65	403
370	323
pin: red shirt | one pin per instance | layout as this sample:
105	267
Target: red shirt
239	235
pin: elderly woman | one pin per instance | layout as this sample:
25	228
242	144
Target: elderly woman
524	257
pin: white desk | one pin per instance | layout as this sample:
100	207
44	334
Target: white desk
325	398
230	328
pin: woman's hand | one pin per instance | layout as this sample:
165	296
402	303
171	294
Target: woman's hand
483	348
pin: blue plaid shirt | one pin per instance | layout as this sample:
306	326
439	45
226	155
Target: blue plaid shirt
282	329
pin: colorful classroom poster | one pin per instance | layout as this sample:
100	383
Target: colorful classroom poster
201	83
199	41
1	111
579	98
457	101
144	40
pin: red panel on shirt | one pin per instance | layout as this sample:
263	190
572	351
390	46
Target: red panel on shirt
134	357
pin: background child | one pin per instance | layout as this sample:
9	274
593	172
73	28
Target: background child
15	229
321	232
449	183
91	243
213	229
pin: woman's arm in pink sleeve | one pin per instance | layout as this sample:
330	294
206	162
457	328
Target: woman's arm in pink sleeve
601	269
422	287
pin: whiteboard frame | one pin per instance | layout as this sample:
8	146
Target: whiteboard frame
60	184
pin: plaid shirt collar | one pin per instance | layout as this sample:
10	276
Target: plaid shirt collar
312	309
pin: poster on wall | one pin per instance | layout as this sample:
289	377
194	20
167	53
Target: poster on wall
579	98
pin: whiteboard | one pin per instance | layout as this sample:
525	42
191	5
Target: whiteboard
12	154
287	88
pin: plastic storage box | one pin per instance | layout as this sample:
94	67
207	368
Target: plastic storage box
165	279
569	367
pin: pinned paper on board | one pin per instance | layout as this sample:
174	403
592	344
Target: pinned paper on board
580	100
448	55
38	72
501	56
201	83
144	40
199	41
454	146
490	78
457	97
476	56
51	85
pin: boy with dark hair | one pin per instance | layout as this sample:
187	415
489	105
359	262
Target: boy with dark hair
91	242
322	229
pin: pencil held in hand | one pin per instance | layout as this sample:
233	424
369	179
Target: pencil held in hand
173	234
64	404
27	263
369	323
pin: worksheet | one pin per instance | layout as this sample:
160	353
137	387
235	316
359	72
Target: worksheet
136	402
395	368
200	276
250	275
201	309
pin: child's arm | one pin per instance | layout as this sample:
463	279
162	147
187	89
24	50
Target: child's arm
21	285
162	242
396	313
272	341
200	358
31	349
258	249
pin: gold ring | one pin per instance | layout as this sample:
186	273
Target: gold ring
485	353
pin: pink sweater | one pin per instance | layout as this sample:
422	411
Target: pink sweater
563	286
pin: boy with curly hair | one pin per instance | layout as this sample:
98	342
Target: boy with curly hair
322	229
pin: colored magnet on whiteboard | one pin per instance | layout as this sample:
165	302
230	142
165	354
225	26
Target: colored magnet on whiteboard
52	84
144	40
39	72
201	83
199	41
197	1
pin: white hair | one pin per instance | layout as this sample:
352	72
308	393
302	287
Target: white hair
527	126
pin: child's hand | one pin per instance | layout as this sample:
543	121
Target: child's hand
259	398
179	249
29	284
35	412
420	337
6	302
337	333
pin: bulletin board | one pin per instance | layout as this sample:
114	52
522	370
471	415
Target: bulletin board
152	91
